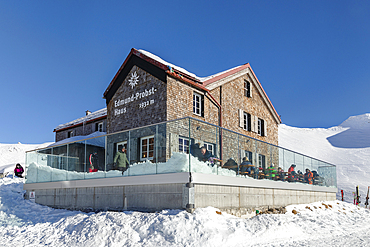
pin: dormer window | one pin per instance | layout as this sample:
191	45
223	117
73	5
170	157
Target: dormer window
70	134
99	127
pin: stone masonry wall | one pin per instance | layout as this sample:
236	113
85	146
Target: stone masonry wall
141	100
180	102
233	99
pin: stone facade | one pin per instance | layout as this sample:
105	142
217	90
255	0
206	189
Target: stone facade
140	100
232	98
146	92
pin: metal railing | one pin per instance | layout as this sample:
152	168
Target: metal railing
175	146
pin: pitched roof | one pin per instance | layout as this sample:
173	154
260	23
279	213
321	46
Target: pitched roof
100	114
204	83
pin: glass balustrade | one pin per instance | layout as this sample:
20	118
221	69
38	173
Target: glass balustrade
182	145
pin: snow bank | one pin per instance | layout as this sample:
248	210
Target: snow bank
331	223
38	171
11	154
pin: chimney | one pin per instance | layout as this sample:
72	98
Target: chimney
88	112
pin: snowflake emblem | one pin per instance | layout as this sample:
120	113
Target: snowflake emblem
133	80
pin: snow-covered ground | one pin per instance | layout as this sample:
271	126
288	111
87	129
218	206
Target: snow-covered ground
350	153
335	223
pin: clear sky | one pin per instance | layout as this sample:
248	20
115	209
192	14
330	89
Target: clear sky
58	57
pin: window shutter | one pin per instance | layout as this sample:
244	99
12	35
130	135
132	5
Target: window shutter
202	105
265	128
241	118
249	122
255	160
250	89
174	143
254	124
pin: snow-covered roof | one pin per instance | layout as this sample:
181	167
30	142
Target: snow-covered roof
201	79
92	140
90	117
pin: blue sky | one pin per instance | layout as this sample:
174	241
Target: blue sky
58	57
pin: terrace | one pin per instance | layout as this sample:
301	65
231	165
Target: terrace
173	147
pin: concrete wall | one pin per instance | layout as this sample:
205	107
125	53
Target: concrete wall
171	191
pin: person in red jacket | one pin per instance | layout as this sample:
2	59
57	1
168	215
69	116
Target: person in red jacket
18	170
308	176
291	173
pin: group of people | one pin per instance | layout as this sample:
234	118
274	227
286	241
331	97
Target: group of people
298	176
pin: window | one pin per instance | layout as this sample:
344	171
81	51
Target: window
147	148
261	127
198	104
249	154
210	148
246	121
99	127
70	134
261	161
120	145
183	145
247	89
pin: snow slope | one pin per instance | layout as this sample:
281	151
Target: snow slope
352	159
335	223
11	154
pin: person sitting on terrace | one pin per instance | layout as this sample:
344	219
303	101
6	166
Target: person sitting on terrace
246	167
204	155
271	171
231	165
195	150
308	177
291	173
281	174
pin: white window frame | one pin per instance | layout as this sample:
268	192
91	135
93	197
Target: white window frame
249	155
124	143
210	147
261	127
247	89
183	147
145	151
262	161
197	104
100	127
70	134
246	123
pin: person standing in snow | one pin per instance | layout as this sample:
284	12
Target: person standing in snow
120	159
93	159
18	170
